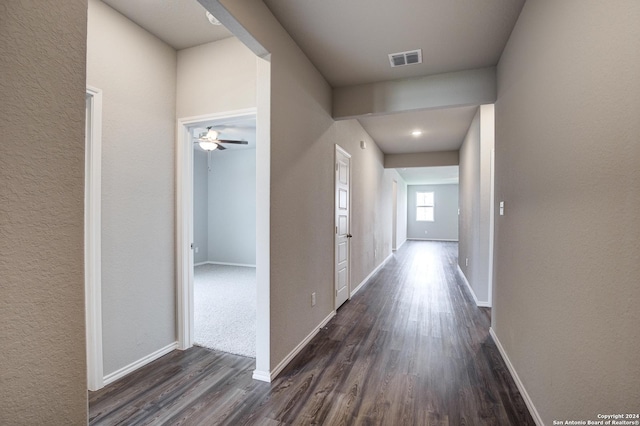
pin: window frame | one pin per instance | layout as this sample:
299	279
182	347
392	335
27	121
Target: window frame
426	205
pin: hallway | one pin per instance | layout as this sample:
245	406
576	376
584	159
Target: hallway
410	348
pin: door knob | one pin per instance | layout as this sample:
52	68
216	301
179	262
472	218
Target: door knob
349	235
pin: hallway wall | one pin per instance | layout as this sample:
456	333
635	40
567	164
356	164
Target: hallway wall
137	74
567	156
303	137
475	204
42	125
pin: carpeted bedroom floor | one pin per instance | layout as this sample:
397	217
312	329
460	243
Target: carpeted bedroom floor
225	308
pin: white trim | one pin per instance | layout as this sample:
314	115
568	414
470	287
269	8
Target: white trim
210	262
118	374
184	217
268	377
475	299
525	395
432	239
376	269
492	215
92	238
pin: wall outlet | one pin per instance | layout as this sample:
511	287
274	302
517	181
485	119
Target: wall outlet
196	249
375	253
466	261
313	299
426	232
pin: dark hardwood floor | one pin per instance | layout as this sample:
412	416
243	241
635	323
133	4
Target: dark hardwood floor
410	348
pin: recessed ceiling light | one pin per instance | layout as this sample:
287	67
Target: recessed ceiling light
416	132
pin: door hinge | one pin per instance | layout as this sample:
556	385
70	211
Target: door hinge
336	229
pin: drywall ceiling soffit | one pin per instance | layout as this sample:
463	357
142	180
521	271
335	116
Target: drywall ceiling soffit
430	175
179	23
349	41
442	130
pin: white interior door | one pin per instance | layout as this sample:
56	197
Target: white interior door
342	225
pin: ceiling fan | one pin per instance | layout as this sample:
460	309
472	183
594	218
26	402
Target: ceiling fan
209	140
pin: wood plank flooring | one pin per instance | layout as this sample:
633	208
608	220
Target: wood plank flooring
410	348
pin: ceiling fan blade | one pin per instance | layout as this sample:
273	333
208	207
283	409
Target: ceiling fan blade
220	147
236	142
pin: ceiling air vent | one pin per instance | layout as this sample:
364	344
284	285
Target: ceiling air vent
405	58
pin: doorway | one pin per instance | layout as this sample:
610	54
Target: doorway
342	226
224	234
185	236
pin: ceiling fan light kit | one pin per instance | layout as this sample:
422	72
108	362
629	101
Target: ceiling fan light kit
209	141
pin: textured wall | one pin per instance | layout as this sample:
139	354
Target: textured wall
475	203
42	349
137	74
215	77
232	207
200	206
303	136
567	167
445	225
401	226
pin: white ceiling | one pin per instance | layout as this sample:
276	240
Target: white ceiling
442	130
430	175
179	23
349	41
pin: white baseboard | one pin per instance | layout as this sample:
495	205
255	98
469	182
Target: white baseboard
433	239
263	376
473	293
377	268
118	374
209	262
268	377
401	244
527	399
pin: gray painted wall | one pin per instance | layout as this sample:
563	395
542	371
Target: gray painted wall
401	213
475	203
566	271
445	225
137	74
205	87
200	207
232	207
42	335
303	136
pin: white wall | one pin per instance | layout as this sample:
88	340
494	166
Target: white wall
567	156
42	335
215	77
401	212
232	207
475	204
200	206
137	74
445	224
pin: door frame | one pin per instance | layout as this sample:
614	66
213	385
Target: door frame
341	150
92	238
184	232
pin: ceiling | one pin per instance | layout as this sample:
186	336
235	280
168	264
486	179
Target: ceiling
430	175
442	130
348	41
179	23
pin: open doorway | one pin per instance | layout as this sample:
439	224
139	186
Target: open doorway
224	234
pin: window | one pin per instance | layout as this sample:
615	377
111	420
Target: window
424	207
